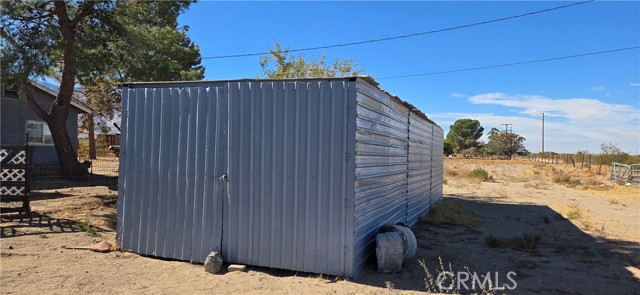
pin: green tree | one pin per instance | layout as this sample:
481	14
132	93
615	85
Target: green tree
447	148
283	64
505	144
464	134
82	41
152	48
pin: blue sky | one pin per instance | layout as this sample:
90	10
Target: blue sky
571	92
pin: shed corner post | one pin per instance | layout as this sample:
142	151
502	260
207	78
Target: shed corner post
350	158
122	164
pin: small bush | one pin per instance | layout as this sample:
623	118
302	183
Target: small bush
444	181
452	173
574	183
561	178
451	213
480	174
573	214
87	227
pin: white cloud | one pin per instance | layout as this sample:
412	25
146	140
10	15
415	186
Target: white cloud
635	84
571	124
569	108
597	88
459	95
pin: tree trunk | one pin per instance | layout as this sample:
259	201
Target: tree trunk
92	137
66	154
91	129
56	119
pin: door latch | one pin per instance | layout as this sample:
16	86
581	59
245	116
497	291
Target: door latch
223	177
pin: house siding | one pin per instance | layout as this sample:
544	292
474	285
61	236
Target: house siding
15	113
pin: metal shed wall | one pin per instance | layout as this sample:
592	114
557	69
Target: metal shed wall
284	147
381	167
437	160
420	168
172	145
395	174
288	197
315	167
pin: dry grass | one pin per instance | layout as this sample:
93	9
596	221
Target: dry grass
536	185
561	177
450	212
527	241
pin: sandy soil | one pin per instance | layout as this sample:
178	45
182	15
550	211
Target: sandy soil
589	243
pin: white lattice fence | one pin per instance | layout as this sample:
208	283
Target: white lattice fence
14	178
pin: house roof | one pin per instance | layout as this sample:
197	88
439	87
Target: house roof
75	103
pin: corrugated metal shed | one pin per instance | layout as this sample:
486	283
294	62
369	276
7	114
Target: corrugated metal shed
293	174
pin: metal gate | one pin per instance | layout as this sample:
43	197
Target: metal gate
625	173
14	178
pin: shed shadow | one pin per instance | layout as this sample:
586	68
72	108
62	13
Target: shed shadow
565	261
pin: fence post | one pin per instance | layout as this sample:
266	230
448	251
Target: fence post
589	162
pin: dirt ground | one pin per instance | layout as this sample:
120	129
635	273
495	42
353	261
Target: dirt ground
587	229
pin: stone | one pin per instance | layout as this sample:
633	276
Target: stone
236	267
213	262
102	247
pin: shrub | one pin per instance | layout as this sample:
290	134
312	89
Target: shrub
480	174
574	183
451	213
573	214
561	178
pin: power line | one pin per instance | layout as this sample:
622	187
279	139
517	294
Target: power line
511	64
600	112
404	36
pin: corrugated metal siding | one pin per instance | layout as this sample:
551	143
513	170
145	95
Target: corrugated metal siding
397	172
381	167
315	168
420	167
172	150
438	164
287	175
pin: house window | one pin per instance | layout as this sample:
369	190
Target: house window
39	133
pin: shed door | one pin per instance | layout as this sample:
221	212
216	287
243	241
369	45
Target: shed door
287	160
174	149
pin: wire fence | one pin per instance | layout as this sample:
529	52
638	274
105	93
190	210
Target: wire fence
599	163
52	192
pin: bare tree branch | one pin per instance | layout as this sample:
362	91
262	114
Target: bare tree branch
25	88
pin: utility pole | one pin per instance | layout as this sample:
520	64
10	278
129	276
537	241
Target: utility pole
506	127
543	136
